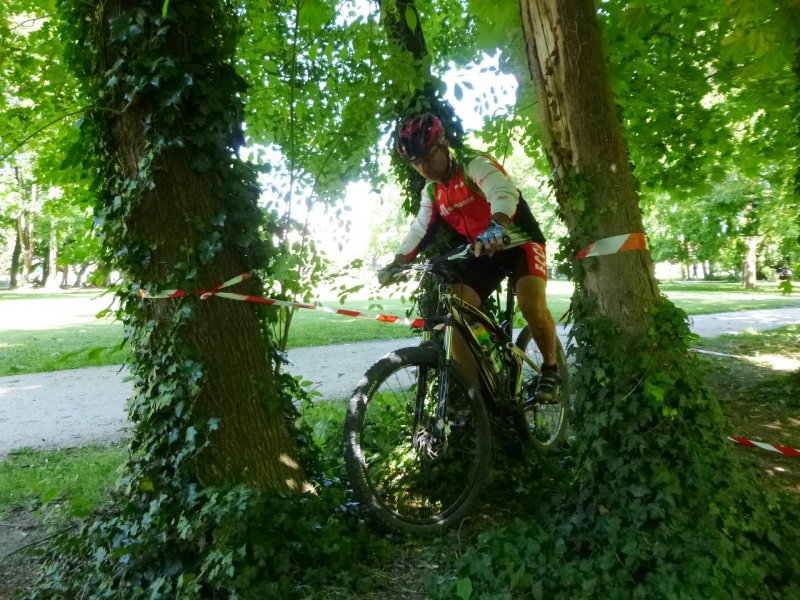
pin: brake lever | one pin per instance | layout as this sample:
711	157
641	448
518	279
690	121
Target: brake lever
461	254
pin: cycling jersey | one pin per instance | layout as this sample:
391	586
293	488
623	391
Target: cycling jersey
479	188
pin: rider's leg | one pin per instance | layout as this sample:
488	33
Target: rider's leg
461	353
532	301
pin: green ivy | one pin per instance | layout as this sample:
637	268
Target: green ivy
658	507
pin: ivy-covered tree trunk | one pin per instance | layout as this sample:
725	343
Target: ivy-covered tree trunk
422	93
180	211
660	510
595	185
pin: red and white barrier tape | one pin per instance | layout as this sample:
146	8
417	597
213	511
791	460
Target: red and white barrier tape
614	245
416	323
780	449
206	294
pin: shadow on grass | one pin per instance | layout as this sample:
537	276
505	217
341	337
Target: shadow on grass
760	397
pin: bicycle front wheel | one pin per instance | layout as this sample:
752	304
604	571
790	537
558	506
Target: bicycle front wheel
544	423
411	472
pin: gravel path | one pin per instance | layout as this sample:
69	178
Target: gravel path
82	406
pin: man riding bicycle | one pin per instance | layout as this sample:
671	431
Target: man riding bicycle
471	193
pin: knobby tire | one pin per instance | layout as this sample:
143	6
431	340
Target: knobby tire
413	486
545	425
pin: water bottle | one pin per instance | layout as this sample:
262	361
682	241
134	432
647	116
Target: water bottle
487	345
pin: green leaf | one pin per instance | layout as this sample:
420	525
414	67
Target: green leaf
411	18
464	588
458	92
164	9
50	495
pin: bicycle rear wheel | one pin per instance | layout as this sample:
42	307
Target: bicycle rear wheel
399	467
545	424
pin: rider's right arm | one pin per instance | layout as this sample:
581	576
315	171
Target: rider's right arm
424	221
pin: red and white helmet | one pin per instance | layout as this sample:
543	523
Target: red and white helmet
418	135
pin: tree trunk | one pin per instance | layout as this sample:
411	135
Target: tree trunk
749	263
15	254
595	186
25	236
395	15
80	272
652	471
50	256
185	225
64	276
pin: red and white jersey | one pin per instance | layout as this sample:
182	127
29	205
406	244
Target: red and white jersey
467	208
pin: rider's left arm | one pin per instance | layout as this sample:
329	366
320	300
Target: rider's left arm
498	189
501	219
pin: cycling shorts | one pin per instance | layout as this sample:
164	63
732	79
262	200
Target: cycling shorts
484	274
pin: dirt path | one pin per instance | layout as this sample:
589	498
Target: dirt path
82	406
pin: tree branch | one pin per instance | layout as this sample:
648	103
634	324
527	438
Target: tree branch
27	138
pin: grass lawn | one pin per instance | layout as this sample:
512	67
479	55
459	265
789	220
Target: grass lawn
42	331
79	477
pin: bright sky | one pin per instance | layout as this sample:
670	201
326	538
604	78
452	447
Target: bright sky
490	91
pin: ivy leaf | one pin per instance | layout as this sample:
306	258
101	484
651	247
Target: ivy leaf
164	9
458	92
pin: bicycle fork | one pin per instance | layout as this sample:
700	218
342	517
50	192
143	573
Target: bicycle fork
439	432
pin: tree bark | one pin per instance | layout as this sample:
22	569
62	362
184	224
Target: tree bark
15	254
50	256
595	187
25	237
749	279
252	444
395	15
80	272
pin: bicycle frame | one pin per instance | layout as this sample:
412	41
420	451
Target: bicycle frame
457	315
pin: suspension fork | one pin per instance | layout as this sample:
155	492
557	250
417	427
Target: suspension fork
444	375
445	361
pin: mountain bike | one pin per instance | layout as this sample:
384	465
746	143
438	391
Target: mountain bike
418	434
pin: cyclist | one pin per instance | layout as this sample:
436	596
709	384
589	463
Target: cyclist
470	192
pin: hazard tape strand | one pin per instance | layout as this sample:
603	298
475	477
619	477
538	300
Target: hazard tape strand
614	245
217	291
786	451
383	318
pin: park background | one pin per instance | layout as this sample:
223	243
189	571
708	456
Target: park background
707	101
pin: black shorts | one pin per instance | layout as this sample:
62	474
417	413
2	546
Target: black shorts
485	273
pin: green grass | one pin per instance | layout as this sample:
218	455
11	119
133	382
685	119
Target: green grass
71	347
79	477
25	294
758	386
82	477
51	331
702	298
